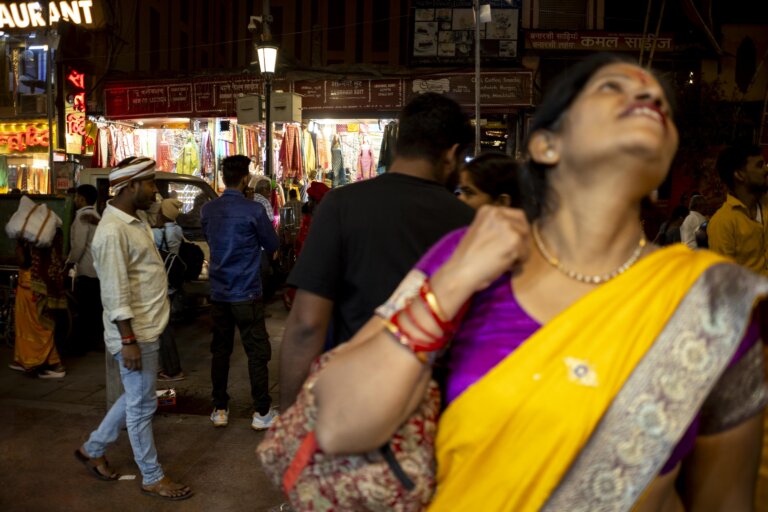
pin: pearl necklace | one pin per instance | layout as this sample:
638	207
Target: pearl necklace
584	278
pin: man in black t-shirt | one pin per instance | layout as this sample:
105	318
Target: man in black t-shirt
365	237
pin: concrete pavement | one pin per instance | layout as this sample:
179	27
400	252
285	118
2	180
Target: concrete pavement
43	421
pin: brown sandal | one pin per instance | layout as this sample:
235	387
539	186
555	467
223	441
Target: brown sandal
98	466
167	489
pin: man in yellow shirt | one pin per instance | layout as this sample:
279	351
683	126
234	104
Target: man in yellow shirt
737	229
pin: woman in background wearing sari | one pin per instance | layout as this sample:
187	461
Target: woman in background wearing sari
39	292
588	369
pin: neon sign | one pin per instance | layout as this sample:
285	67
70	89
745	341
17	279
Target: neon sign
30	14
76	79
74	119
18	141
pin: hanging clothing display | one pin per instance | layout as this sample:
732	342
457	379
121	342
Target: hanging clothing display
387	152
337	163
207	156
290	153
323	153
164	160
308	151
365	164
350	147
189	160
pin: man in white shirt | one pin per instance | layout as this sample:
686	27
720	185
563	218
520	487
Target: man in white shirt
134	294
692	222
88	328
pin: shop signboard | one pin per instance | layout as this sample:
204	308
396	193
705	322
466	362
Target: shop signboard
161	99
312	94
29	15
218	96
497	89
444	32
596	41
360	95
23	137
74	111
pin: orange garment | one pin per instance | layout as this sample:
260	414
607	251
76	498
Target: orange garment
34	341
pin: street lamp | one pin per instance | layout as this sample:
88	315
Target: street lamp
267	53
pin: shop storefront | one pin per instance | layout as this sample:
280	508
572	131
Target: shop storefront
187	127
346	131
24	156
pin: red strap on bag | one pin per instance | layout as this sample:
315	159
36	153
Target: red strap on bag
300	461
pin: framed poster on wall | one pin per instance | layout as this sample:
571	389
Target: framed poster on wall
444	32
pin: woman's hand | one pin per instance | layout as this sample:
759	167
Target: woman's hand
497	241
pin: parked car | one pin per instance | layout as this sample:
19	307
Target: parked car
192	191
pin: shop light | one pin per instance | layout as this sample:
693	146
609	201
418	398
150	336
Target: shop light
39	47
267	57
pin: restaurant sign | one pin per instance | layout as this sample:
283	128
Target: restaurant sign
17	15
596	41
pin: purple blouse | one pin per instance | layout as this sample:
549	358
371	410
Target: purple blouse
496	325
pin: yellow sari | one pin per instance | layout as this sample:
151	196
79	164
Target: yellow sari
34	344
587	410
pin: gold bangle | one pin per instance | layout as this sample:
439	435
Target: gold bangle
402	340
429	296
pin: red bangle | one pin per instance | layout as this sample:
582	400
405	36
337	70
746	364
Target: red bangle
412	319
449	327
406	342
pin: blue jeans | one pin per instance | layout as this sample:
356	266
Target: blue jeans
133	410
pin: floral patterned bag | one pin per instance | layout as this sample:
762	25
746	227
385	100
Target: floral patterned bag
398	477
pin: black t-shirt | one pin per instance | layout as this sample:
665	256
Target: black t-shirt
364	239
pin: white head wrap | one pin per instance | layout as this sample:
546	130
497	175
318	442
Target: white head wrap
130	169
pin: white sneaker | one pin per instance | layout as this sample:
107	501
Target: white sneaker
264	422
220	417
59	372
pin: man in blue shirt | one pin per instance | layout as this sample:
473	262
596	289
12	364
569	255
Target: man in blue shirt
237	231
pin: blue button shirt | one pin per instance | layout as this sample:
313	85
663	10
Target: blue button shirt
237	230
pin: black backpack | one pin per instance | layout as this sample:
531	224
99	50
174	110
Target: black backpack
193	257
175	266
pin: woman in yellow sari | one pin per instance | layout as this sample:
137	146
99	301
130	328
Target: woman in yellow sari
591	370
39	292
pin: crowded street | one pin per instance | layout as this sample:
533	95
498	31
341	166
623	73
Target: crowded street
43	421
390	255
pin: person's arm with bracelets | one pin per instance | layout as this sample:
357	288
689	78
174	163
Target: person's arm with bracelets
367	391
131	352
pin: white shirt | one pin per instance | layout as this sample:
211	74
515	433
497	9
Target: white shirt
81	236
134	285
689	227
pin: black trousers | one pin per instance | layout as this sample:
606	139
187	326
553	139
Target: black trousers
88	328
248	317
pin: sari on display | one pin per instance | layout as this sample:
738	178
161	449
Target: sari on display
584	412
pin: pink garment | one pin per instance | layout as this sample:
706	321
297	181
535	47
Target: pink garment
365	167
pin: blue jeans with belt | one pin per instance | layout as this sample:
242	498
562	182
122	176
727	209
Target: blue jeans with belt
133	410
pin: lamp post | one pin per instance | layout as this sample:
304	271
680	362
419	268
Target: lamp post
267	53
